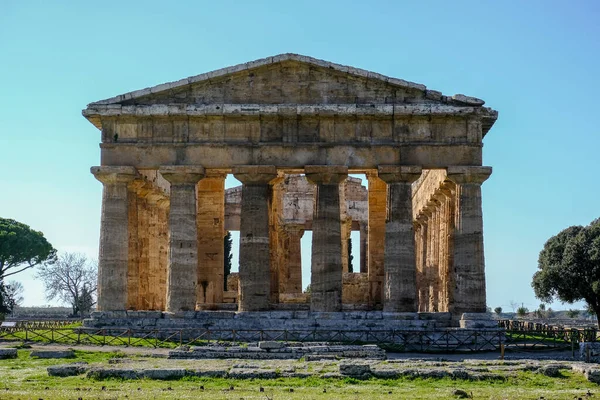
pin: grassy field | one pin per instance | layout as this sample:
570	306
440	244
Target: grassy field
26	378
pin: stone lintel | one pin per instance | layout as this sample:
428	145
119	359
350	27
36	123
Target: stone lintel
399	173
255	174
258	110
182	174
114	174
468	174
326	174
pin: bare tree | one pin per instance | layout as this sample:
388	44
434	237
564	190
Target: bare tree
14	294
73	280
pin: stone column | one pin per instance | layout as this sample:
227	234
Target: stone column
469	264
114	236
182	274
143	254
133	265
291	282
448	190
254	275
435	255
400	282
211	248
326	263
377	216
278	260
422	284
364	246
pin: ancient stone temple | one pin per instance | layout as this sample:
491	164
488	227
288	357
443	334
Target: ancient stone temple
291	129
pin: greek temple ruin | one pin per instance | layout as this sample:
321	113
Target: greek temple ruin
291	129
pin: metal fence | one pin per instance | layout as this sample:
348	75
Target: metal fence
519	335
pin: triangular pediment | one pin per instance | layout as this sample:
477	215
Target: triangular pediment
288	79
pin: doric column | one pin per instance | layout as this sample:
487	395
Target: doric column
422	284
364	248
133	265
211	228
400	282
276	240
435	252
182	274
326	263
254	275
114	236
469	263
291	281
421	255
377	215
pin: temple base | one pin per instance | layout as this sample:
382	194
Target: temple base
403	331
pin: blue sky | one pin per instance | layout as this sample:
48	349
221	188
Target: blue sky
535	62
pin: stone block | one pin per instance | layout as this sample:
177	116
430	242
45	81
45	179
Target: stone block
301	314
52	354
400	316
436	316
8	353
164	374
323	315
68	369
271	345
478	324
355	370
374	315
281	314
589	352
477	316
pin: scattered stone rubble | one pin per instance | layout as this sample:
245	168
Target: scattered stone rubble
357	368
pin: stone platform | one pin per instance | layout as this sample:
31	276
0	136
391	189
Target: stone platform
410	331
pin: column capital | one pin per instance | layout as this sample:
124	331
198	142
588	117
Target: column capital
326	174
255	174
111	174
468	174
182	174
399	173
292	230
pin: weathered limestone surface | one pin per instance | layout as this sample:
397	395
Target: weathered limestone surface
356	288
114	236
326	263
400	284
182	277
255	279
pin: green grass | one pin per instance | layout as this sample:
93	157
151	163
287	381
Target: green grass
26	378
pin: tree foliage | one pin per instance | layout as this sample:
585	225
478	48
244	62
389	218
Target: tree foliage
498	310
71	279
569	267
21	248
228	243
350	256
522	311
